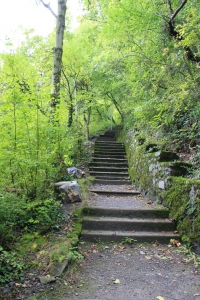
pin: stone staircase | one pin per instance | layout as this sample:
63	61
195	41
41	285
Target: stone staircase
109	164
115	211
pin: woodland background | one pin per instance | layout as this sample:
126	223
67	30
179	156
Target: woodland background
135	63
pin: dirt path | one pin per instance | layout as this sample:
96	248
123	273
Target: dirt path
122	271
140	272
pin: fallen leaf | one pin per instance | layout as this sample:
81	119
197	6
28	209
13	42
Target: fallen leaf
160	298
149	202
17	284
156	244
95	251
121	248
148	257
117	281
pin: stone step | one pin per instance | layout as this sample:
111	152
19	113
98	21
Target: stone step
109	175
106	139
111	181
108	159
108	164
162	213
111	143
115	193
127	224
112	155
108	146
110	152
111	149
118	236
108	169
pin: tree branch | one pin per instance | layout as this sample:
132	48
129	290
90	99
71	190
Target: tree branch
172	30
190	55
49	7
177	11
170	7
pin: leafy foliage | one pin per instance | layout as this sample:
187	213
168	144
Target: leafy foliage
10	266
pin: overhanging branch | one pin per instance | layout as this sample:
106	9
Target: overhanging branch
189	53
177	11
49	8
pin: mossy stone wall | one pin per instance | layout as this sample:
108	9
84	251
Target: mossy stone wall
159	175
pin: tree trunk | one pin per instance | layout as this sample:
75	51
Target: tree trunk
87	122
58	51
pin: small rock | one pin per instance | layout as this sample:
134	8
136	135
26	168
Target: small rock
11	283
47	279
59	268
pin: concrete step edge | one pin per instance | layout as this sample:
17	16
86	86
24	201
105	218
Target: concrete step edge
111	181
117	236
128	220
114	192
158	213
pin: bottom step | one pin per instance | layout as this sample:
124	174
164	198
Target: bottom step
118	236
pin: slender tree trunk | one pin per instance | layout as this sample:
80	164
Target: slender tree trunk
87	122
58	51
116	105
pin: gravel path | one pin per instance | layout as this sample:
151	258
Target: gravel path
140	272
111	187
119	201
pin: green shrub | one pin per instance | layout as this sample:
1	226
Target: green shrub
10	266
40	215
18	214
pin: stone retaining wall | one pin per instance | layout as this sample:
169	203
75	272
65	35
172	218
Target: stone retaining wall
160	176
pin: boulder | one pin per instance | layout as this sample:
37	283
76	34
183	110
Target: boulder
75	172
70	191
